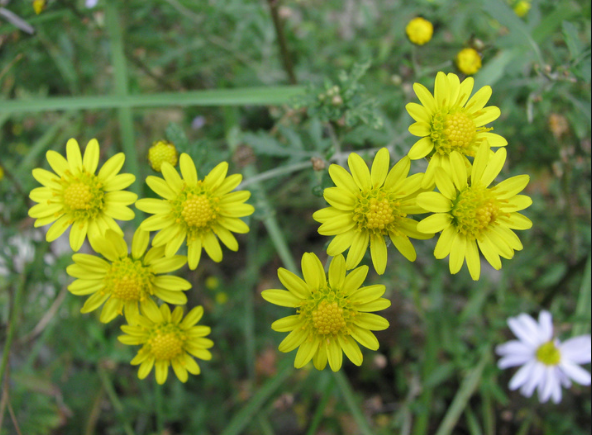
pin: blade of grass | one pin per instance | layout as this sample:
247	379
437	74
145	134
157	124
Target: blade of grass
472	422
242	418
351	402
583	309
318	415
115	402
211	97
124	114
467	388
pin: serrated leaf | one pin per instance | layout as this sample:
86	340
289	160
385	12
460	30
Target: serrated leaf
175	134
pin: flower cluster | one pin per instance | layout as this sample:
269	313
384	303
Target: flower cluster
127	282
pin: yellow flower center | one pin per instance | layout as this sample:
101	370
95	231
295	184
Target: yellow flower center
377	211
197	211
328	318
167	342
129	280
82	195
328	312
161	152
453	132
474	210
77	196
549	354
196	208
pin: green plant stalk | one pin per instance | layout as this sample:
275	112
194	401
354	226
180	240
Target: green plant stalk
472	422
274	173
467	389
242	418
115	402
281	37
249	320
16	308
350	400
318	415
158	407
429	365
264	425
124	114
262	96
583	308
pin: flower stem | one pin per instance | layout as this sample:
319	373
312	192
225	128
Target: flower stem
273	173
348	394
115	402
281	37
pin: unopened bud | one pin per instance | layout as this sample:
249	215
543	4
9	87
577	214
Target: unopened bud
337	100
318	164
162	151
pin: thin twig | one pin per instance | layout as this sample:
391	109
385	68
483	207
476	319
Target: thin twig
281	37
47	316
13	418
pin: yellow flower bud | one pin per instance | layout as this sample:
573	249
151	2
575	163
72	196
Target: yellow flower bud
1	173
39	6
468	61
162	151
419	31
521	8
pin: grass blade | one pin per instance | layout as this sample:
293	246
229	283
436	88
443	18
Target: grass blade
583	309
468	387
242	419
211	97
350	400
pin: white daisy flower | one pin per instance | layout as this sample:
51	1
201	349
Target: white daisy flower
547	364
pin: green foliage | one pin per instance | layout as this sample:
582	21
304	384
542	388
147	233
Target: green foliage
178	60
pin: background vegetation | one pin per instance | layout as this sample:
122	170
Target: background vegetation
210	76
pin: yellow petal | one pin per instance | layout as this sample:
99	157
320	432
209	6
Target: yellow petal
282	298
359	171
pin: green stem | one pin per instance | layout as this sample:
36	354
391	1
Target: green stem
350	400
115	402
281	37
158	408
124	114
467	389
274	173
16	308
318	415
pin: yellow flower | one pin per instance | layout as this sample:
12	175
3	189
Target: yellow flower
472	215
522	8
1	173
168	340
331	315
122	280
39	6
196	210
367	206
419	31
162	151
468	61
78	197
450	123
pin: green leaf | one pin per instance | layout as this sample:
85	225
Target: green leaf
572	39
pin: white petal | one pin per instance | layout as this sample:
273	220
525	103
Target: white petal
537	376
549	384
577	349
526	329
546	326
522	376
576	373
564	379
515	348
513	361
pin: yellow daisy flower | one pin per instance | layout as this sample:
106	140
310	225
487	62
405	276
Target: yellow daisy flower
168	339
367	206
332	316
472	215
419	31
196	210
78	197
450	123
122	280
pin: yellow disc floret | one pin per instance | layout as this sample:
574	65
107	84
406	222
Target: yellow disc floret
455	131
82	195
419	31
167	341
160	152
197	208
549	354
129	280
376	211
468	61
474	210
328	312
